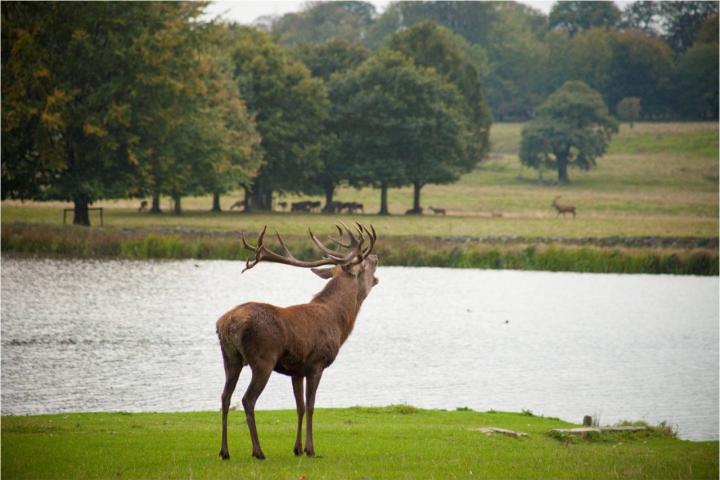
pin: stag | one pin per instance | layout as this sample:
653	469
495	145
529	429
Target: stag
143	206
238	204
438	211
298	341
563	208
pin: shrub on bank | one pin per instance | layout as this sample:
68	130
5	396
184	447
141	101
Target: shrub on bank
399	251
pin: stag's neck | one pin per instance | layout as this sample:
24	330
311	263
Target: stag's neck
342	297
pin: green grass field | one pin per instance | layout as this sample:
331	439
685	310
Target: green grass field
353	443
659	179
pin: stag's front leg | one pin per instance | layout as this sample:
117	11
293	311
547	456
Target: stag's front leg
297	383
313	380
260	376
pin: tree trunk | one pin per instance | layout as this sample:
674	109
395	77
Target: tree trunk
216	203
383	199
81	215
267	200
155	203
562	165
248	199
259	197
177	208
329	194
416	197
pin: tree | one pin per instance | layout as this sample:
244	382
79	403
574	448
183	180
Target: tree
324	60
289	108
589	58
322	21
573	127
629	109
70	89
432	46
401	124
518	73
683	21
695	84
576	16
641	67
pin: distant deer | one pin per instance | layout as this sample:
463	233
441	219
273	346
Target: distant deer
299	341
412	211
283	205
143	206
238	204
563	208
438	211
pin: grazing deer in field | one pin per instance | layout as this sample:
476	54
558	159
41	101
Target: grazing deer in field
563	208
438	211
299	341
143	206
238	204
283	205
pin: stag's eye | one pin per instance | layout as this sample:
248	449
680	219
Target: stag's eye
375	281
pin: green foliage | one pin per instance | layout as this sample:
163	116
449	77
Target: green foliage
405	251
573	127
696	82
577	16
325	59
401	124
320	22
72	128
289	107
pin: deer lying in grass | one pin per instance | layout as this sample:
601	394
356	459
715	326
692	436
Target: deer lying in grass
563	208
299	341
438	211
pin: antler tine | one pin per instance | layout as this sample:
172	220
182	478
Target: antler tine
287	250
333	254
251	262
372	236
339	242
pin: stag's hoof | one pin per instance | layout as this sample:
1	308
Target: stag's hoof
310	453
224	455
297	451
258	455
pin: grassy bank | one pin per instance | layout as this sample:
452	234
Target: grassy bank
389	442
695	256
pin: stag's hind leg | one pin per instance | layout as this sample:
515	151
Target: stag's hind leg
233	365
260	375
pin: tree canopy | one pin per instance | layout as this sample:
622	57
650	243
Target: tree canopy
402	124
573	127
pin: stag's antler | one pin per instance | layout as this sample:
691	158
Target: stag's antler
356	253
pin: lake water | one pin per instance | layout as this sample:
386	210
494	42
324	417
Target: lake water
140	336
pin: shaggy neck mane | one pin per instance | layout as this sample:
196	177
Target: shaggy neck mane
341	295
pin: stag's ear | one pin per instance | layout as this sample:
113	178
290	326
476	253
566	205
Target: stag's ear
325	273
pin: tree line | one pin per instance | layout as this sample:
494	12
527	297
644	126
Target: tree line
109	100
663	53
105	100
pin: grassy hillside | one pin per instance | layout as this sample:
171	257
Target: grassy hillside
659	180
379	443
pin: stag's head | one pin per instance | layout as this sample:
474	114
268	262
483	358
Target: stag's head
353	259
